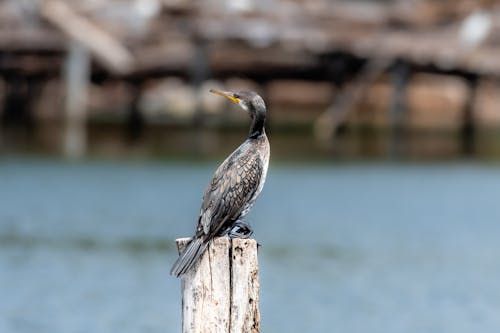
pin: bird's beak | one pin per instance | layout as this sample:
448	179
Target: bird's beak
227	94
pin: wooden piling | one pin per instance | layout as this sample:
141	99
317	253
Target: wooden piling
468	130
399	107
77	76
221	293
326	125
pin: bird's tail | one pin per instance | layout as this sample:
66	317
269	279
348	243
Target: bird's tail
188	257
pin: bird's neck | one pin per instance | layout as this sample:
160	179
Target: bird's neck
257	128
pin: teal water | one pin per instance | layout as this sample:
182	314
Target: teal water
86	247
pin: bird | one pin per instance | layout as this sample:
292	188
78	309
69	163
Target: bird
234	187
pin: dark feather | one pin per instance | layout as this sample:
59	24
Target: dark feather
189	256
233	186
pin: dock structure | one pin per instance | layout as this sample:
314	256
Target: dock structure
348	45
221	293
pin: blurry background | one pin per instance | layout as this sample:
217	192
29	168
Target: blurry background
380	212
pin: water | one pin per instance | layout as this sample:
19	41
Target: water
348	248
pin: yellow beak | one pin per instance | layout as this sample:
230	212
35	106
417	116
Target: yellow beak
227	94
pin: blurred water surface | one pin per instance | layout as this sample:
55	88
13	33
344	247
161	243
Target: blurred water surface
86	247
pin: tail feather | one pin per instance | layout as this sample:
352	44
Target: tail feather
188	257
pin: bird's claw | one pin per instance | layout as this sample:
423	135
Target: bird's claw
241	229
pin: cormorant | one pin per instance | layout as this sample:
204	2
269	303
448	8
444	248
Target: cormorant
234	187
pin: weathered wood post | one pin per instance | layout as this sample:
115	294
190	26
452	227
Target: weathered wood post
77	77
468	129
221	293
401	74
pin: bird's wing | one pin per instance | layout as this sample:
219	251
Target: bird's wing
233	185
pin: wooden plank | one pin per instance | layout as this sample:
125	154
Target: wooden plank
326	125
31	40
107	49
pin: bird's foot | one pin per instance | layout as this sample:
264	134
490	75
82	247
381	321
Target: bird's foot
241	229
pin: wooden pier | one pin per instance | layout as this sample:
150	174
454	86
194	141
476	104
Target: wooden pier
348	46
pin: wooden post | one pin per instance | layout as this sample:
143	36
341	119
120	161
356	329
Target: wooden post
135	121
104	46
221	293
77	76
399	107
198	73
468	126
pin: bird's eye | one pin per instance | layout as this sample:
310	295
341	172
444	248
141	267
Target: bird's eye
236	95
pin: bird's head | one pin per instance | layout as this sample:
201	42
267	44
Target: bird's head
248	100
